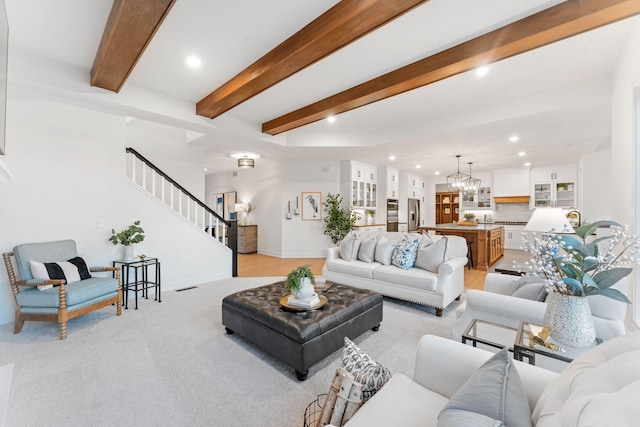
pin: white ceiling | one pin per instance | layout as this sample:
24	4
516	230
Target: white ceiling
556	98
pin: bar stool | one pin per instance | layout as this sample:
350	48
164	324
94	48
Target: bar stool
469	256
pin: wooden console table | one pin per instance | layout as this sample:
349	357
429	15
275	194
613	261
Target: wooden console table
247	239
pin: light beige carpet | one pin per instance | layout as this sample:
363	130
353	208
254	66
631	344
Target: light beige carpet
171	364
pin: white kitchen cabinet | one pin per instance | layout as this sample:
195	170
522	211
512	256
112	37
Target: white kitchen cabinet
480	200
554	187
510	182
415	187
513	236
393	186
403	227
362	189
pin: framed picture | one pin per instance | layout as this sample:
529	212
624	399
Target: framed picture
229	204
447	211
218	204
312	206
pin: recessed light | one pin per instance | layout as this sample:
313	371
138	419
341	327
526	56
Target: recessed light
514	138
418	166
194	62
244	156
437	173
392	157
206	169
522	154
527	164
331	119
482	71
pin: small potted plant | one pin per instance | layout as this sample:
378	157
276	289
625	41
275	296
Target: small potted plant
300	282
127	237
370	215
469	217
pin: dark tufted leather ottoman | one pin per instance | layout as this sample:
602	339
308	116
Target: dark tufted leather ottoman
301	339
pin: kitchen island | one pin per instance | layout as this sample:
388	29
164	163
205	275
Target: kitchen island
487	241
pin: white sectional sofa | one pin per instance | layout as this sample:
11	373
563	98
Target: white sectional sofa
432	288
599	388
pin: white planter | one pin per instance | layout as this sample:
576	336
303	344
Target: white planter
306	291
569	319
127	252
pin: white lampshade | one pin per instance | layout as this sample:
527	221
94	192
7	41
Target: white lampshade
549	219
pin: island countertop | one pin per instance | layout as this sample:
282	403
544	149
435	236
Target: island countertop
456	227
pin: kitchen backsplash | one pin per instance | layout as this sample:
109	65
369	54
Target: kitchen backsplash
505	212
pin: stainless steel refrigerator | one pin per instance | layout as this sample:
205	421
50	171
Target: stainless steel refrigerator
414	214
392	214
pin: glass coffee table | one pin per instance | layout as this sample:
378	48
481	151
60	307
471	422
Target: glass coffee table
528	346
490	334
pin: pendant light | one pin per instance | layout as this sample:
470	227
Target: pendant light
471	184
456	180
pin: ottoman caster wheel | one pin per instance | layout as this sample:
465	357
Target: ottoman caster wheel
376	328
302	375
229	331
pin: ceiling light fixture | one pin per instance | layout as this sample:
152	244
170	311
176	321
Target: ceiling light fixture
522	154
437	173
471	184
514	138
456	180
194	62
418	166
392	157
246	163
331	119
482	71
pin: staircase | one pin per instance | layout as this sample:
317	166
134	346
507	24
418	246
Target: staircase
161	187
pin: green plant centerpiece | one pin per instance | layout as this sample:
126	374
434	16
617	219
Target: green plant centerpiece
296	284
337	220
128	236
469	216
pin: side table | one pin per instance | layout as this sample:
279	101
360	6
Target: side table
141	280
523	346
487	333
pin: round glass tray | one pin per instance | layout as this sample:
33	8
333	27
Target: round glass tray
284	303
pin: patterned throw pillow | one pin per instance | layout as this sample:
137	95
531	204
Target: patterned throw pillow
364	369
72	270
404	255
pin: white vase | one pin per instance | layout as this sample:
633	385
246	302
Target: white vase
128	252
569	319
369	220
306	291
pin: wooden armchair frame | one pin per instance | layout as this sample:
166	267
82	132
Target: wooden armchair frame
63	315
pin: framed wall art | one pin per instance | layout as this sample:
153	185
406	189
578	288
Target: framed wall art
312	206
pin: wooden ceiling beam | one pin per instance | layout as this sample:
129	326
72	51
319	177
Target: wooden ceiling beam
344	23
129	30
556	23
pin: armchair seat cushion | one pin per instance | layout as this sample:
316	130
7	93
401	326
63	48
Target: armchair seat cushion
77	293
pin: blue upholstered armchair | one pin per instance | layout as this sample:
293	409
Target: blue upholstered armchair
52	283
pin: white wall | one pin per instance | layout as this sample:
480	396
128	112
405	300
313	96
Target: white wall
269	186
594	185
67	164
623	153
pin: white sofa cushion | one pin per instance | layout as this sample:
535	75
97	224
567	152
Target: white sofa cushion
401	402
384	250
599	388
367	249
352	268
431	255
412	278
349	247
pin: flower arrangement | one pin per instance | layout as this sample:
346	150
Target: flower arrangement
573	266
129	236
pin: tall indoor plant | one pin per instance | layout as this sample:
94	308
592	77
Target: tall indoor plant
574	268
127	237
337	220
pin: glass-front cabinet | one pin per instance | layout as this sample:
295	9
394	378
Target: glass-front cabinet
364	185
554	194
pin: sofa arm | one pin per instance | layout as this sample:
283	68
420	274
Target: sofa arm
443	365
448	267
333	253
499	283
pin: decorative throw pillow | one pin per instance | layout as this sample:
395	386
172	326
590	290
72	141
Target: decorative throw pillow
367	249
494	391
404	255
430	257
529	287
72	270
384	250
349	248
365	370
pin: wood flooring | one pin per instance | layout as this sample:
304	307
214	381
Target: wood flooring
258	265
